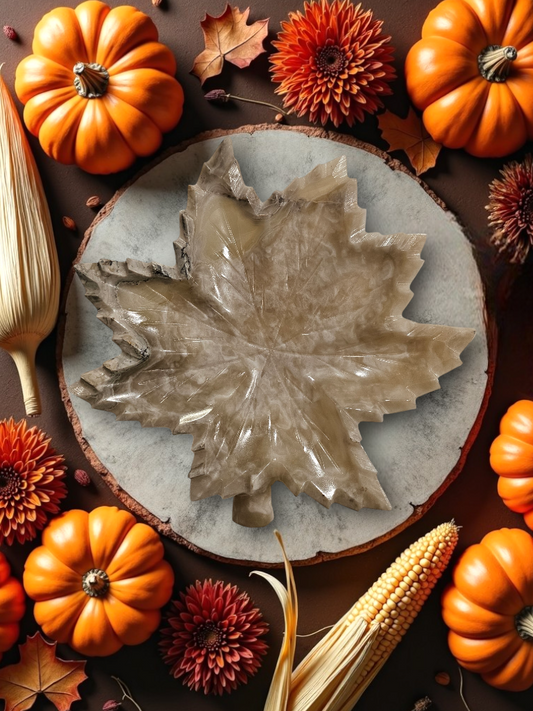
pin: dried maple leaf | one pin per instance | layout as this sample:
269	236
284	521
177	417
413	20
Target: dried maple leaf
277	333
410	135
229	37
40	672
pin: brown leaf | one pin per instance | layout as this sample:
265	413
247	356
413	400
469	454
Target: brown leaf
40	672
409	135
229	37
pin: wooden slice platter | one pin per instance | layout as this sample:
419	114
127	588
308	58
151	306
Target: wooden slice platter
417	453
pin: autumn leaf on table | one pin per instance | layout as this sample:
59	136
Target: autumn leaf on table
40	672
277	333
229	37
409	135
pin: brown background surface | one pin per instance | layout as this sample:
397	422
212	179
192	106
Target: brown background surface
328	589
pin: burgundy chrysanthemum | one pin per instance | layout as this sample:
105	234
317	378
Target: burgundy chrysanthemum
213	641
511	210
332	62
31	481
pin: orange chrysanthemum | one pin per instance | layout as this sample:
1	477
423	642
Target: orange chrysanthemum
31	481
333	62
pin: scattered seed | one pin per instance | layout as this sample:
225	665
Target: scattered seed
70	224
112	705
278	118
94	201
82	477
10	33
442	678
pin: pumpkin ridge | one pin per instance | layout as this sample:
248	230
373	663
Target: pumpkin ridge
58	116
148	119
496	33
117	540
474	124
66	17
474	16
82	18
519	110
502	568
496	562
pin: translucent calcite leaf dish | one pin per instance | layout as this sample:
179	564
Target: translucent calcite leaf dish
278	331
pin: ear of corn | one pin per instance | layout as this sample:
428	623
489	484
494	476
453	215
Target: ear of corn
29	269
339	669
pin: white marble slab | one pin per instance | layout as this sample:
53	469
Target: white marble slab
412	451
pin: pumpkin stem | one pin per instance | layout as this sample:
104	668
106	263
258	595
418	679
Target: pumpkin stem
91	80
495	62
524	623
95	583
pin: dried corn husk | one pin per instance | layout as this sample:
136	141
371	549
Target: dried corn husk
278	694
29	269
339	669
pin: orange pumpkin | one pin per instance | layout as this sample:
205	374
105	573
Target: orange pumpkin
99	580
12	606
99	89
472	75
489	609
511	456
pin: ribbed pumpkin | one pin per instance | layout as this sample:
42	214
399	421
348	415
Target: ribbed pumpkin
489	609
99	580
472	75
12	606
511	456
99	88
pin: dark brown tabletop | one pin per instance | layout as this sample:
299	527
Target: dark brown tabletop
328	589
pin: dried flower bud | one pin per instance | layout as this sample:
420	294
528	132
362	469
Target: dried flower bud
82	477
10	33
70	224
442	678
112	705
217	95
94	201
278	118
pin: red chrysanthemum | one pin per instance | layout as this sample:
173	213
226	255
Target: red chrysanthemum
333	62
213	641
31	481
511	210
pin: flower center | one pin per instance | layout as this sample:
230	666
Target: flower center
524	623
331	60
209	636
95	583
10	483
91	80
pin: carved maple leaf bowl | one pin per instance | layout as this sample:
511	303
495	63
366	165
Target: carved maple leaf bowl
278	331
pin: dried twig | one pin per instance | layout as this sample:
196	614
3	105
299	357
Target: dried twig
461	685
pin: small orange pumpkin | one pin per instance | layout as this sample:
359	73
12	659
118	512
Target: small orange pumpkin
472	75
511	456
99	88
99	580
489	609
12	606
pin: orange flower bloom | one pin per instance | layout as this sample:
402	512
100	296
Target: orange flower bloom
31	481
332	62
